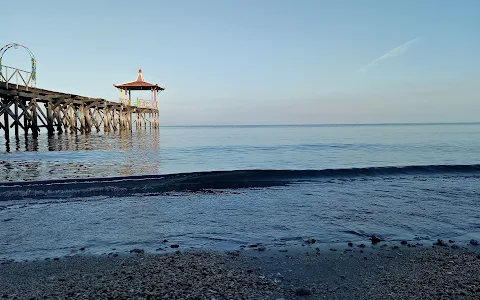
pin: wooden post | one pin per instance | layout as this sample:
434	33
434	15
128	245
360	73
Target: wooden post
106	125
73	118
114	119
126	119
50	119
137	122
25	118
81	116
110	119
16	114
107	115
65	117
5	120
88	124
121	118
35	128
59	119
130	122
96	116
67	110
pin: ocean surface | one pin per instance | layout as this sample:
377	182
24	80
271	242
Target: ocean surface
225	187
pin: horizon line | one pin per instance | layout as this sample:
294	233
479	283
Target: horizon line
327	124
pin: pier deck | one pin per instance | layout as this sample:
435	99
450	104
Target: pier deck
33	108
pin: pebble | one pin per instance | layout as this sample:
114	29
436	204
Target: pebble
439	242
422	274
474	242
136	250
303	292
375	239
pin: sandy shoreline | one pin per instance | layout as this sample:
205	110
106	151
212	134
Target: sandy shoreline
306	273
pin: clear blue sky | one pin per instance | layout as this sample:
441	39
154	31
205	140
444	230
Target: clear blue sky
261	61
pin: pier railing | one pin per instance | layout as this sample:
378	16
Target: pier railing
144	103
16	77
140	103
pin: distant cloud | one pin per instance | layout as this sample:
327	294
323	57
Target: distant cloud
390	54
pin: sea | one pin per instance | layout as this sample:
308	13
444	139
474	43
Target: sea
233	187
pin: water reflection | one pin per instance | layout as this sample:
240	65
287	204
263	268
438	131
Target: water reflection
191	149
80	155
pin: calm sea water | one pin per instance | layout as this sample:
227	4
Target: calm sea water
351	204
190	149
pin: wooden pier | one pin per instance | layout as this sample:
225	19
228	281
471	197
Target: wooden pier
25	107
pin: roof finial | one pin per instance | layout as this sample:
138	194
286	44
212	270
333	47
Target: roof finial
140	76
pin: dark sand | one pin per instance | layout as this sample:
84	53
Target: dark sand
385	272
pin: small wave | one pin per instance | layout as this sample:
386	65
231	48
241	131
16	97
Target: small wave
357	233
197	181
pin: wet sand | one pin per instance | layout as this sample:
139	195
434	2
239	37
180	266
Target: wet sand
385	272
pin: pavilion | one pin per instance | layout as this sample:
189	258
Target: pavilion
139	85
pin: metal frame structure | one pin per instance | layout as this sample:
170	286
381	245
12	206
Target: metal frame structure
29	79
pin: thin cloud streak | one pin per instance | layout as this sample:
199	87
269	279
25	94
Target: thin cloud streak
390	54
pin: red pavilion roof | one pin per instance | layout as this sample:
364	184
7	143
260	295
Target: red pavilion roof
139	84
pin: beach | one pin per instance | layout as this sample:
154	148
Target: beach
381	272
72	209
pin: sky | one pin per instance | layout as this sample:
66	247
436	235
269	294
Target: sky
227	62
